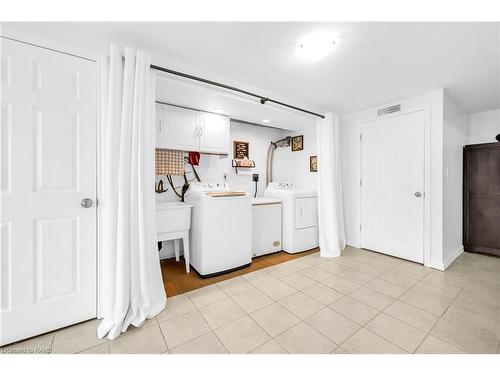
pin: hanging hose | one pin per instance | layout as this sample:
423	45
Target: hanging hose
195	173
284	142
269	169
169	179
185	187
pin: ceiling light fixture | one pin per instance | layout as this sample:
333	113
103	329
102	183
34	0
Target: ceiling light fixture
266	121
317	45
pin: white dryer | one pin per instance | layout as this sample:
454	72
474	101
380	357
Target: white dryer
299	216
220	235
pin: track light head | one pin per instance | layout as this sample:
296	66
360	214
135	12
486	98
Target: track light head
263	100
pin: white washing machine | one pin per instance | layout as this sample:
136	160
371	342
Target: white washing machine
221	222
299	216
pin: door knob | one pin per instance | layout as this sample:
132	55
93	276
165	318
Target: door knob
418	194
86	202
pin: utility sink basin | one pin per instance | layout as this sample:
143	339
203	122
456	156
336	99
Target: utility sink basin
172	217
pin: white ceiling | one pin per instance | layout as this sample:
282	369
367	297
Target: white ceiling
191	94
374	63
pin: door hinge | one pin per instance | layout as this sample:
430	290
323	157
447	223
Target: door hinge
360	182
360	227
361	137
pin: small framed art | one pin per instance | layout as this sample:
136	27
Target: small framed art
298	143
241	150
313	163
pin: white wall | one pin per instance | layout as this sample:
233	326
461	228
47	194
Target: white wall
484	126
455	136
351	168
259	139
294	166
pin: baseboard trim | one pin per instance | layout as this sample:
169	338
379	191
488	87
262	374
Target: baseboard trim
352	243
451	258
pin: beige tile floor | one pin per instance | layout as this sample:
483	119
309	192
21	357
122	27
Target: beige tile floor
361	302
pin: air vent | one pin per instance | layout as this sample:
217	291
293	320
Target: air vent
387	110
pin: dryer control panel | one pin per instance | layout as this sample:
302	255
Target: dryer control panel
281	185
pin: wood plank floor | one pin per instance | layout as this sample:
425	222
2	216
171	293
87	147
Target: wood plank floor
177	281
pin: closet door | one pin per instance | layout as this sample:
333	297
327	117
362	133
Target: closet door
392	195
48	170
482	198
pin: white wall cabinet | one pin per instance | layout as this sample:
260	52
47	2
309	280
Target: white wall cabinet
189	130
178	129
214	133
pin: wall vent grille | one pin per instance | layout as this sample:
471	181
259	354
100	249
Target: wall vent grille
387	110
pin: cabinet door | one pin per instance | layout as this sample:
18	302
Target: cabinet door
160	127
180	128
215	133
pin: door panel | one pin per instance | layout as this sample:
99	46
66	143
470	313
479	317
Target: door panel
215	136
5	151
56	252
392	217
5	269
180	128
48	255
56	167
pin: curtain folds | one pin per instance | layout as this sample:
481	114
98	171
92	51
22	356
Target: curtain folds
132	287
330	209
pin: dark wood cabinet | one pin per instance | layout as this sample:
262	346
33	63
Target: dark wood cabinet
481	194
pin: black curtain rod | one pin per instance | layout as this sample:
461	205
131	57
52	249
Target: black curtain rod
263	99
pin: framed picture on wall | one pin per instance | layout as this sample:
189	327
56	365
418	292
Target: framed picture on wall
313	163
298	143
241	150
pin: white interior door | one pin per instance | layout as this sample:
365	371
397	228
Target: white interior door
48	161
392	195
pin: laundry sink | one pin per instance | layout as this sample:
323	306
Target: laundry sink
172	217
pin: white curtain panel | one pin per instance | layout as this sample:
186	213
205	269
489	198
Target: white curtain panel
330	209
132	287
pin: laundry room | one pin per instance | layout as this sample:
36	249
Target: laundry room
254	148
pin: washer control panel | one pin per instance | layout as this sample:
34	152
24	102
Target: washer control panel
209	186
